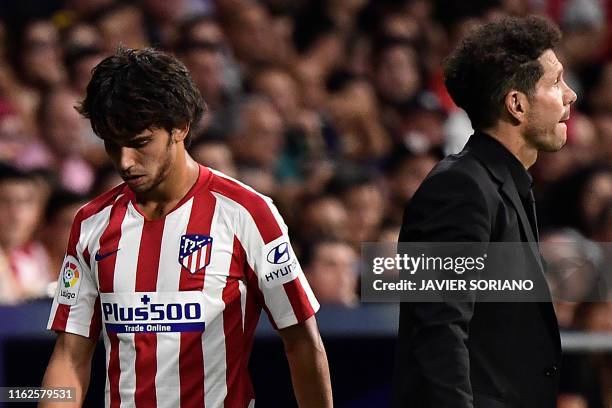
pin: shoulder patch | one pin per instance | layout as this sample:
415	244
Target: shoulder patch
70	281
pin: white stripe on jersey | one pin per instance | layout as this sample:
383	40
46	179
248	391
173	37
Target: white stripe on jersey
124	280
167	379
213	345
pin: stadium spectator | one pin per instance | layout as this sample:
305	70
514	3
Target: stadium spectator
353	109
40	58
81	35
330	267
321	216
59	213
258	139
24	265
80	60
579	199
120	24
250	33
215	154
361	195
574	273
68	137
404	173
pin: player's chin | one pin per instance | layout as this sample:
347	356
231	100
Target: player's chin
139	187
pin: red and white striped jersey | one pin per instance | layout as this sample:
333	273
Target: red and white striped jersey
178	299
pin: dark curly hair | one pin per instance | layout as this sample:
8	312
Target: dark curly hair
135	90
494	59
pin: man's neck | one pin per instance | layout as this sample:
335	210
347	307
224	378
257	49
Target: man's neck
512	139
160	202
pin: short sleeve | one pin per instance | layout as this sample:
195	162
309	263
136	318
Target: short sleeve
287	295
76	303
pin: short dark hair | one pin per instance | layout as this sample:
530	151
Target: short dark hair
494	59
135	90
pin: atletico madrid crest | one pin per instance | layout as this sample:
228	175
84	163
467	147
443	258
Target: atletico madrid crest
194	252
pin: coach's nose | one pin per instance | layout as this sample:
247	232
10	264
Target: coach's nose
569	95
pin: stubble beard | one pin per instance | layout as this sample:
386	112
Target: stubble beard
161	175
545	139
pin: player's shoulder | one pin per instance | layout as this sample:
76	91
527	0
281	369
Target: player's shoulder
100	202
249	204
237	192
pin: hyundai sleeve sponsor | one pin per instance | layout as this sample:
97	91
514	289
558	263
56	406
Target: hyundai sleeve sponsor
153	312
281	265
279	254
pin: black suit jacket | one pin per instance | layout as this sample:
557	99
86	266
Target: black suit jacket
471	354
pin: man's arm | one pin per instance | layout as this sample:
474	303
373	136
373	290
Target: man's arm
70	366
308	364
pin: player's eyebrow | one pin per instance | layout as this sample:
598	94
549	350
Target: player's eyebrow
142	137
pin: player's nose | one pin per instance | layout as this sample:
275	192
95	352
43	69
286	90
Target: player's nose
126	158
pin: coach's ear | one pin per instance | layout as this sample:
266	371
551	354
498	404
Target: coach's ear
517	104
180	133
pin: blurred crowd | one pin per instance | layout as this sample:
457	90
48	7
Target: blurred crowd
336	109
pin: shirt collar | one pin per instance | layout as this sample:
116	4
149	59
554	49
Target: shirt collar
499	153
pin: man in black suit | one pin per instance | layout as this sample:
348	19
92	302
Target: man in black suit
466	354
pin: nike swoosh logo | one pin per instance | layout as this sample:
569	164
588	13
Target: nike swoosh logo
100	256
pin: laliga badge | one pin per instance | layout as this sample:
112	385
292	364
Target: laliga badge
69	281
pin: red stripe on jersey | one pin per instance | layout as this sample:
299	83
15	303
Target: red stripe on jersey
253	287
145	344
87	258
61	317
191	357
95	325
109	242
232	328
256	206
104	200
299	300
148	256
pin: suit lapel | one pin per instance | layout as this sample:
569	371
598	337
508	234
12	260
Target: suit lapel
509	190
501	174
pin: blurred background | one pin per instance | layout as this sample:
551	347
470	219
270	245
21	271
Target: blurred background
337	110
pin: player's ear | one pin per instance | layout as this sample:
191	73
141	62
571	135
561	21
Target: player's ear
516	103
180	133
